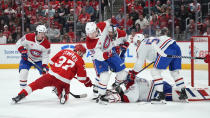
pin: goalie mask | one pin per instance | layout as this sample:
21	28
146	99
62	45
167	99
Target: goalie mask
137	39
80	49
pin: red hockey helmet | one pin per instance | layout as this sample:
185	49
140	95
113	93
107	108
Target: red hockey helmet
80	48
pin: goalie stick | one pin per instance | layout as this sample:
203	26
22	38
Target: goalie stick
74	95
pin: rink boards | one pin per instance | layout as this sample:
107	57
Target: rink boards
10	57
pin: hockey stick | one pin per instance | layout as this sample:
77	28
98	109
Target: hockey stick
74	95
159	51
30	60
138	72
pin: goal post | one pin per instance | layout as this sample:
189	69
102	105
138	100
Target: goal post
200	47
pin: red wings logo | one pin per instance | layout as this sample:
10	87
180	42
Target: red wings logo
36	53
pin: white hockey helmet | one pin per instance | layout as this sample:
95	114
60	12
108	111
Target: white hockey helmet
138	37
90	27
41	28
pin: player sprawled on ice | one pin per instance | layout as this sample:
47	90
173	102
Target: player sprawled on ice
148	51
141	90
104	57
65	65
33	47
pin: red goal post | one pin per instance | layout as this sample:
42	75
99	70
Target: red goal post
201	42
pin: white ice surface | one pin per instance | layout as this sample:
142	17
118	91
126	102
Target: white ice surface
44	104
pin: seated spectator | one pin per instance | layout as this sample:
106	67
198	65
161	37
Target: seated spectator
9	10
207	33
84	17
10	40
71	35
142	21
90	10
17	34
53	33
3	39
158	31
70	20
65	38
177	34
131	36
50	12
6	31
191	32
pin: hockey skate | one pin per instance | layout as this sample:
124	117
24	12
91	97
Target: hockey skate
95	90
63	97
55	91
183	96
18	98
159	99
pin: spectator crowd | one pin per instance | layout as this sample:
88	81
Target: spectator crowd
18	17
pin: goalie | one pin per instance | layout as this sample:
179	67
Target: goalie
142	90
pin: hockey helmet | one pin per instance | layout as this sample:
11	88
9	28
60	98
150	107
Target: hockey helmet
80	48
41	28
138	37
90	27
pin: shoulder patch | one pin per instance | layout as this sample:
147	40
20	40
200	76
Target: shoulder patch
45	43
101	26
30	37
121	33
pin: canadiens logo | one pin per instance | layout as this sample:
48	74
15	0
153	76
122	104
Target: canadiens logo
106	42
35	53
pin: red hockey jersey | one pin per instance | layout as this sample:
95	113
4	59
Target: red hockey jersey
66	64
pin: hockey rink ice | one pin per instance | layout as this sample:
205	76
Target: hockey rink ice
45	104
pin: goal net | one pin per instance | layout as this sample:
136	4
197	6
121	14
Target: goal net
200	74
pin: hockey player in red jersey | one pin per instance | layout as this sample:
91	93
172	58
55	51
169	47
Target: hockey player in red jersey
104	57
65	65
33	47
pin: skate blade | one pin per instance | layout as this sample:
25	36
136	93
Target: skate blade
102	102
184	101
158	102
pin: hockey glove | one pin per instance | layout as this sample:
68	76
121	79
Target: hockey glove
207	59
45	68
23	52
124	46
88	82
107	55
117	49
132	75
